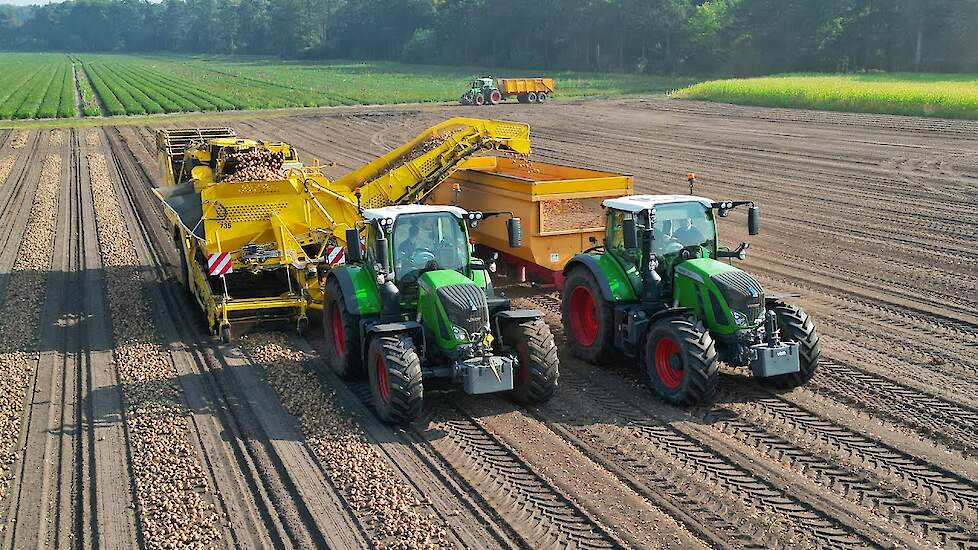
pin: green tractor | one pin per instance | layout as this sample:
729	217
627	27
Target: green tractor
414	308
657	292
482	91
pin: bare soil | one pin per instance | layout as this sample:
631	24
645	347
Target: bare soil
125	424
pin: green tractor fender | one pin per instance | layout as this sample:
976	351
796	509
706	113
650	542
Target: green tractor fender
360	293
607	272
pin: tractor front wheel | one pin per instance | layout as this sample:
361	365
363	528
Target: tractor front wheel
395	378
342	334
587	318
535	379
681	361
479	100
794	325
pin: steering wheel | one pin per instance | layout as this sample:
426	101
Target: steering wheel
422	256
691	252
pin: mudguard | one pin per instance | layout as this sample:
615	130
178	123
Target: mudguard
519	314
392	328
359	290
611	278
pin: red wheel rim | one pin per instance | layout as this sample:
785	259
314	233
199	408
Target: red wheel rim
668	363
382	389
480	99
583	317
496	97
339	336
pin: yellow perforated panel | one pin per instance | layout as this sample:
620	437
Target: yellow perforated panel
254	212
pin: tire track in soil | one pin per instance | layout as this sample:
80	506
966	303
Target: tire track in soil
265	482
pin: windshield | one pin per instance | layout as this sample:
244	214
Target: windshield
428	241
682	225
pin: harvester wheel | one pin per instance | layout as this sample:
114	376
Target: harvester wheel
395	378
535	379
541	97
796	326
587	318
681	362
225	333
480	99
495	97
184	276
342	333
531	97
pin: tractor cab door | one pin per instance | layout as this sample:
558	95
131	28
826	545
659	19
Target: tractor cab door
614	244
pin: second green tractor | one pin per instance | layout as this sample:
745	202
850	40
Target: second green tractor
415	309
657	291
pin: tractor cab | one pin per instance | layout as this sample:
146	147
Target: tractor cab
659	291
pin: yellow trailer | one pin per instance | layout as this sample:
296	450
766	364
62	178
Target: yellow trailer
526	90
560	207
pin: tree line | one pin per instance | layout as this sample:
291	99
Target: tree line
654	36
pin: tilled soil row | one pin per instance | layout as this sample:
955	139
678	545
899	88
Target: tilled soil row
19	140
20	312
6	165
388	507
171	486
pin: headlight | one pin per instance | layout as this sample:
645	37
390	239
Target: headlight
740	319
459	334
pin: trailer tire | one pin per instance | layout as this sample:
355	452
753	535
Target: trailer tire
796	326
341	329
681	363
587	318
479	99
495	97
535	377
395	378
531	97
541	97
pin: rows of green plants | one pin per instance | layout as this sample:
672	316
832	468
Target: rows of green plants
36	86
89	102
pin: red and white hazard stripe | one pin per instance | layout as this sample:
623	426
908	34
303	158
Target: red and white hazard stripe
335	255
219	264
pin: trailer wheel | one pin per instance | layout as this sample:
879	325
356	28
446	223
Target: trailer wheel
531	97
395	378
495	97
480	99
541	97
342	334
587	318
796	326
681	362
535	379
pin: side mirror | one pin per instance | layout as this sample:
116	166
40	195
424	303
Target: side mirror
514	229
630	233
380	250
354	254
754	220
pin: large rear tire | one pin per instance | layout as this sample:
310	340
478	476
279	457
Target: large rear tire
341	329
495	97
395	378
587	318
535	378
681	362
794	325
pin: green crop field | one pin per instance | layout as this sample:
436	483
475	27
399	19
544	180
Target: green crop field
931	95
54	85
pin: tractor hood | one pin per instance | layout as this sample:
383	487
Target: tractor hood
728	297
453	308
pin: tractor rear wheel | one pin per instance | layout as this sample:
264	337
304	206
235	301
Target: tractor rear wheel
495	97
587	318
796	326
342	333
535	378
479	100
395	378
681	362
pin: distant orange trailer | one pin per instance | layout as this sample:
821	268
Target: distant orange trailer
526	90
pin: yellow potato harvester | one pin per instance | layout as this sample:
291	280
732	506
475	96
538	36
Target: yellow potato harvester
278	237
560	207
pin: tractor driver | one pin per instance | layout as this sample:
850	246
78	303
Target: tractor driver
426	242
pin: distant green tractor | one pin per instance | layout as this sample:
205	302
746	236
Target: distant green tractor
482	91
657	292
418	308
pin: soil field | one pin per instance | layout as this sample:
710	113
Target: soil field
124	424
